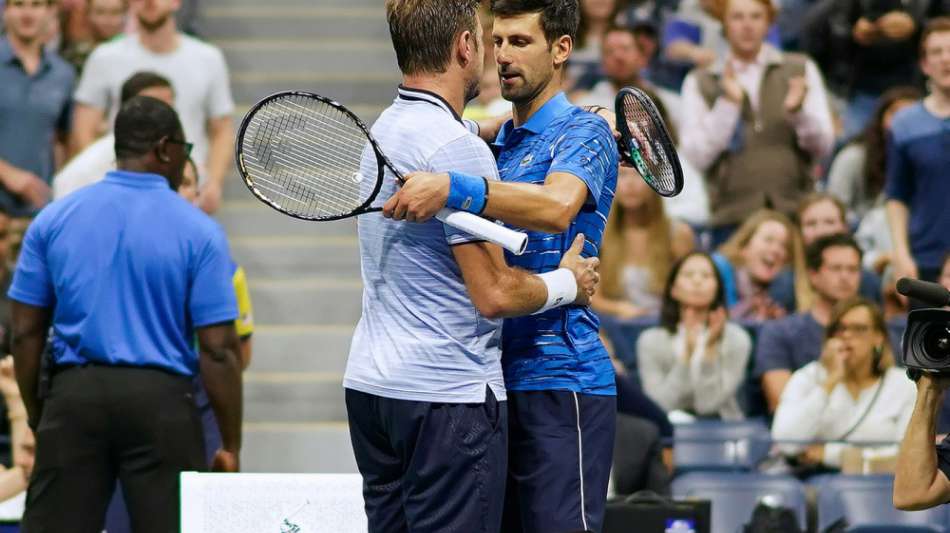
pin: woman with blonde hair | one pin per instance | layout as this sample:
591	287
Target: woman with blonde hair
639	246
853	394
762	248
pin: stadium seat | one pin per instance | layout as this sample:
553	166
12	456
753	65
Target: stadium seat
866	501
735	495
716	445
623	335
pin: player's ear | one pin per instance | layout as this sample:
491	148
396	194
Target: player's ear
562	50
466	48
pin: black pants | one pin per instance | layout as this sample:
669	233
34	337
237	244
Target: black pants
100	424
429	467
560	446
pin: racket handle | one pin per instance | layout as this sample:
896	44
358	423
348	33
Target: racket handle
509	239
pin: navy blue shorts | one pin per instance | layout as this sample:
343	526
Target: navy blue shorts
560	448
429	467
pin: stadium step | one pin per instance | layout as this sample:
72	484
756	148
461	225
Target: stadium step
303	276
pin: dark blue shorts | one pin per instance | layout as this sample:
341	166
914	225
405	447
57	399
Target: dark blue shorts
560	448
429	467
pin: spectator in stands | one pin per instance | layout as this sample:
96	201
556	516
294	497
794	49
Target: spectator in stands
917	186
868	48
696	359
92	164
14	480
640	245
168	282
754	121
820	215
784	346
853	394
596	17
197	71
622	63
857	174
99	21
753	258
35	107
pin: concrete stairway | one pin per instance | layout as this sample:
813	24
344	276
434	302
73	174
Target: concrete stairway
304	277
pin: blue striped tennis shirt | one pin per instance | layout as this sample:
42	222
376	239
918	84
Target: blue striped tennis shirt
559	349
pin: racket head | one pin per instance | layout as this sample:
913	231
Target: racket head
645	143
305	155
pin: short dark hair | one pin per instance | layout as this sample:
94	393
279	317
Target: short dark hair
670	308
141	123
934	25
814	254
558	17
423	31
141	81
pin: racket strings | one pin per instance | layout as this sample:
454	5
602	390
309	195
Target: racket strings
304	155
646	135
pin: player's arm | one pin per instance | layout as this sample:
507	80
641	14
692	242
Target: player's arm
499	291
582	159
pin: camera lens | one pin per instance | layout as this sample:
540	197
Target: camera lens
937	342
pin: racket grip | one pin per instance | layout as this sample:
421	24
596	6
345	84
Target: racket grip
509	239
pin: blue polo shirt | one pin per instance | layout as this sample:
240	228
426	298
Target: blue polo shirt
559	349
131	269
918	160
32	109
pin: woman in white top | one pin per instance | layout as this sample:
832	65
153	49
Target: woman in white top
696	360
639	245
853	394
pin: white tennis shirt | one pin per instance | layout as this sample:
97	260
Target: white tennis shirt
420	338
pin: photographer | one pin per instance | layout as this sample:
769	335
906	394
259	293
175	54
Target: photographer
922	478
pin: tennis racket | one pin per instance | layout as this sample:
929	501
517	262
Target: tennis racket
645	142
303	155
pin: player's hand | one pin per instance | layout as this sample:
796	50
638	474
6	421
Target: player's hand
423	194
585	270
864	32
896	25
209	200
226	461
795	98
607	115
27	186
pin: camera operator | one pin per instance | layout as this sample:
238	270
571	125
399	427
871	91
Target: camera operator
922	478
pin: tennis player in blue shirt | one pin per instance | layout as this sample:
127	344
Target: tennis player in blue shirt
558	168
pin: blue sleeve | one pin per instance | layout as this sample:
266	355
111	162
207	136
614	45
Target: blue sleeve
680	30
900	175
470	155
211	294
588	151
728	279
32	282
771	350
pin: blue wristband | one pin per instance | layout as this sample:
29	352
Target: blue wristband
467	193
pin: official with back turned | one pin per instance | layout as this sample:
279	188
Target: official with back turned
122	275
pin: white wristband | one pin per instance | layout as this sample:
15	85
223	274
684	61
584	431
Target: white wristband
562	289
